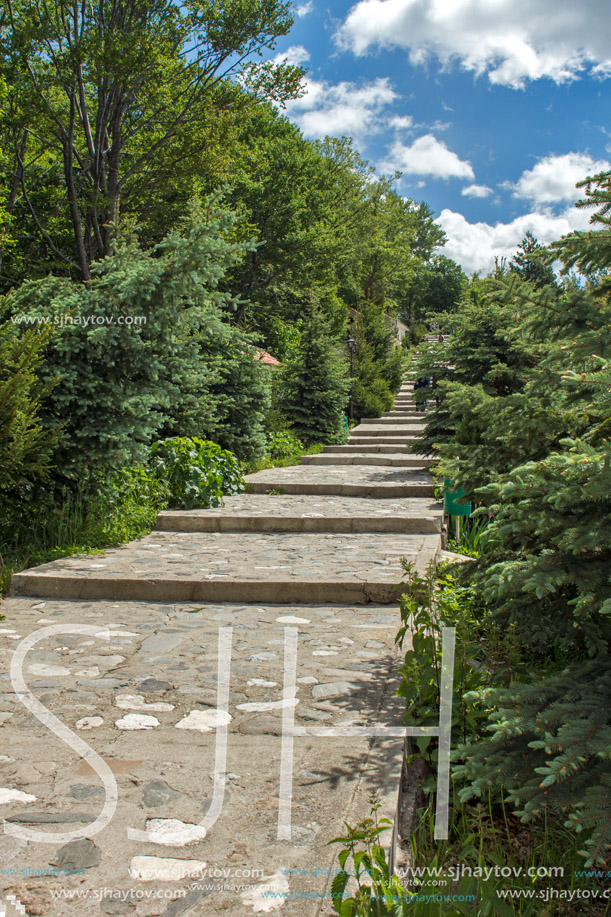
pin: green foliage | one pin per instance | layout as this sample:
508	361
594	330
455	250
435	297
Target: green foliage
362	859
25	446
144	75
283	446
314	385
437	286
124	507
529	263
142	350
378	365
38	525
564	722
196	472
429	604
523	426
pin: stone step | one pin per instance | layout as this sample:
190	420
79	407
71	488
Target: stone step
400	420
379	491
301	513
379	448
396	460
392	436
238	567
343	480
379	425
385	439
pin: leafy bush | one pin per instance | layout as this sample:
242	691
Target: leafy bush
429	604
196	472
125	507
284	445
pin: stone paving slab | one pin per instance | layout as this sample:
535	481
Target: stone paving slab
377	447
364	458
159	671
389	439
367	428
400	421
244	567
343	480
299	513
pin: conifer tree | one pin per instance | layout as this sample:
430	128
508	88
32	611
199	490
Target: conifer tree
314	385
143	350
545	580
529	264
25	446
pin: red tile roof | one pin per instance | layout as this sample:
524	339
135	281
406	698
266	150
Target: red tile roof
266	357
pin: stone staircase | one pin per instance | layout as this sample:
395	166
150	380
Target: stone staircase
311	553
379	506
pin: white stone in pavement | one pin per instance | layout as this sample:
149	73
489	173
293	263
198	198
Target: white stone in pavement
52	671
204	720
171	832
8	795
89	722
269	895
137	721
137	702
261	706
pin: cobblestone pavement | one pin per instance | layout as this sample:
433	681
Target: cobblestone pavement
160	757
147	703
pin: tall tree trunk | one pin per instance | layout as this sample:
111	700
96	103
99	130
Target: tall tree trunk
19	159
75	215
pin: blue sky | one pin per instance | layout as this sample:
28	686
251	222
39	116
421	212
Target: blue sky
492	109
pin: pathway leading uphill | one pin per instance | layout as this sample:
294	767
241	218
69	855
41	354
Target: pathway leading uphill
182	658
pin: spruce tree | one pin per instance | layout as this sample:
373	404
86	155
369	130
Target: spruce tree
144	350
544	582
314	386
25	446
529	264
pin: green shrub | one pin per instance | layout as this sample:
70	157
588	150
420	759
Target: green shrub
196	472
429	604
38	525
125	507
284	445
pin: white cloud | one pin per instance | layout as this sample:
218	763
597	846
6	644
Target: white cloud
426	156
401	122
304	8
294	55
475	245
476	191
511	40
554	178
341	108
